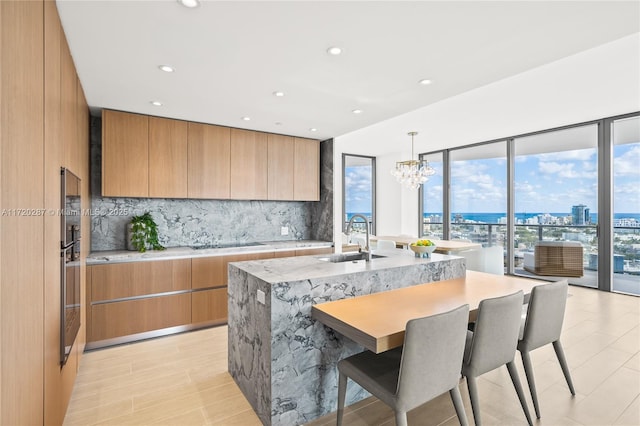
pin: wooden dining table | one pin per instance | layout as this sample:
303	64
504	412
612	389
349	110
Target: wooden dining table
442	246
377	321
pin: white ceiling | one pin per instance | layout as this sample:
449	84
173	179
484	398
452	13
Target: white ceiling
231	56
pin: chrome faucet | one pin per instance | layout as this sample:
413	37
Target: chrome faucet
366	250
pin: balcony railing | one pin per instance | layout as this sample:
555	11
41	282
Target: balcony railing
626	240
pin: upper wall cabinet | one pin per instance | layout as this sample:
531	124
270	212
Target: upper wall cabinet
248	165
306	186
167	158
125	154
281	151
145	156
209	161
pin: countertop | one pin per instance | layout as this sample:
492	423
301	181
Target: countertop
275	271
121	256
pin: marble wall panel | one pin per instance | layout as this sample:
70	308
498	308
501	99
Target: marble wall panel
322	212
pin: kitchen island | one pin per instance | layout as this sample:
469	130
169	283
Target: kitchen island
283	360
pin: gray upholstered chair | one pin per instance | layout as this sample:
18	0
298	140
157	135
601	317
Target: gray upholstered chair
492	344
427	366
541	326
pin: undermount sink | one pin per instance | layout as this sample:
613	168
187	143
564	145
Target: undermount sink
347	257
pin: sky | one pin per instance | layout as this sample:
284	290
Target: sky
544	183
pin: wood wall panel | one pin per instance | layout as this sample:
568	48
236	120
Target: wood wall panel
69	109
136	316
139	278
249	176
209	161
280	161
307	170
54	155
22	174
209	305
167	158
84	150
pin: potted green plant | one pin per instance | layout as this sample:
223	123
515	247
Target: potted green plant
143	233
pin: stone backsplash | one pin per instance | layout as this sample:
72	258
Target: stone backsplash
198	222
189	222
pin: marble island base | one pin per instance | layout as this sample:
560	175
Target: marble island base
284	361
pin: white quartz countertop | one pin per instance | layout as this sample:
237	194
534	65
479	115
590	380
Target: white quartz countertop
281	270
120	256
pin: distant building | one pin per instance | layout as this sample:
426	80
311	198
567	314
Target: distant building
580	215
626	222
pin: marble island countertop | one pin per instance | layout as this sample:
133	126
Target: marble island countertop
282	359
274	271
118	256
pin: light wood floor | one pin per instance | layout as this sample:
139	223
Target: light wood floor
183	379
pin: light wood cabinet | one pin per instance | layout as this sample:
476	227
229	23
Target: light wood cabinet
306	185
208	272
209	152
125	154
209	305
135	297
212	271
128	317
167	158
312	251
280	161
249	175
144	156
284	253
121	280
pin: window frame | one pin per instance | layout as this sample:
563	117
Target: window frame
372	229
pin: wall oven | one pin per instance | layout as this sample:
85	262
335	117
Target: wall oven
70	231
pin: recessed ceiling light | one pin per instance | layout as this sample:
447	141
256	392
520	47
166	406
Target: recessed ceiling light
313	129
425	82
278	94
334	50
189	3
246	118
166	68
357	111
156	103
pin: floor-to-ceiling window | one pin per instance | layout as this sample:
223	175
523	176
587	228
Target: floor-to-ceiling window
556	203
478	195
625	134
359	189
572	195
432	200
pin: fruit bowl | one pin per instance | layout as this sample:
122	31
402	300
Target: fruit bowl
422	251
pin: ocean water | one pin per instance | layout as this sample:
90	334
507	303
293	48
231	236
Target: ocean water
495	217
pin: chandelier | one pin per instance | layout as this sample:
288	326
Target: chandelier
412	173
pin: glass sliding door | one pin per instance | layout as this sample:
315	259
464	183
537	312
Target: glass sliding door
625	134
478	196
359	190
556	205
432	207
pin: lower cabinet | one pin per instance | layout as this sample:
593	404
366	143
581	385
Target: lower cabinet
126	299
117	319
209	305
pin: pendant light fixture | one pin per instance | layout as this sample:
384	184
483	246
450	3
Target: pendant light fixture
412	173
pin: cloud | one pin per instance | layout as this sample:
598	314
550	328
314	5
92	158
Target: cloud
566	170
575	155
628	164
